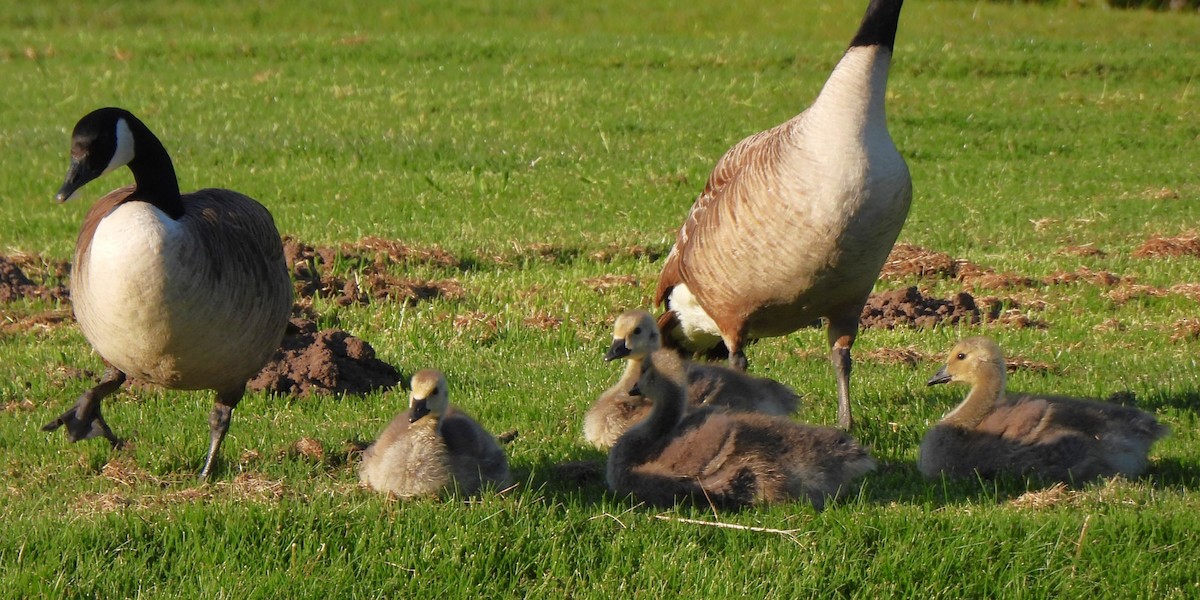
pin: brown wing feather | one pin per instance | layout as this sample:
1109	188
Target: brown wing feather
706	210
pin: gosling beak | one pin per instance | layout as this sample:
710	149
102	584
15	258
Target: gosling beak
940	377
618	349
419	409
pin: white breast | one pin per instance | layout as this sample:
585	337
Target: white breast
145	305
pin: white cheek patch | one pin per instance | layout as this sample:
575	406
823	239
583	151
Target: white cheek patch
124	151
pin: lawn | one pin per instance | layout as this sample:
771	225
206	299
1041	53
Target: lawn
551	149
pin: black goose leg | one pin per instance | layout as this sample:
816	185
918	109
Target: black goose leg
218	425
84	420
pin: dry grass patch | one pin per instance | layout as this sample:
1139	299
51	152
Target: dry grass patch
604	283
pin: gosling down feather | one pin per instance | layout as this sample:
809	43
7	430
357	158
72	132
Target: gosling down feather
1072	440
433	448
184	291
796	222
725	459
636	336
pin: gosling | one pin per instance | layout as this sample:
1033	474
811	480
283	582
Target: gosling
433	448
636	336
728	460
1072	440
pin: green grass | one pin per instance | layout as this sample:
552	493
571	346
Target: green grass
494	128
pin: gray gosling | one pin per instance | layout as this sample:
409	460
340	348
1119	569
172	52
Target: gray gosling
725	459
795	222
1071	440
636	336
433	448
183	291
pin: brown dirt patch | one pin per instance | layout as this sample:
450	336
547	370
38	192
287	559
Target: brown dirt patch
909	307
1191	290
381	252
542	321
1086	275
1018	320
18	405
43	321
310	449
1128	291
313	268
604	283
329	361
1187	244
1185	330
1012	364
1082	250
16	285
636	251
474	320
908	261
898	356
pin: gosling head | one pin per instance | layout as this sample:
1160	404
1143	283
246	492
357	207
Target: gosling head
635	334
101	142
970	359
429	395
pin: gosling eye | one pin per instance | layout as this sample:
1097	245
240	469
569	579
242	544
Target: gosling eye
961	356
637	330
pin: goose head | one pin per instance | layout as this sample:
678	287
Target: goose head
101	142
971	361
635	334
429	395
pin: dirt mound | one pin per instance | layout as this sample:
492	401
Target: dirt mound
1185	330
911	261
908	260
15	285
1187	244
888	310
1084	274
380	252
313	269
329	361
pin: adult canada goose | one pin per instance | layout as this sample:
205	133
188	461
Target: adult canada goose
1051	437
726	459
187	292
796	222
636	336
432	448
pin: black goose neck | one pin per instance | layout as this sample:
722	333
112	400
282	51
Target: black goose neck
879	24
153	171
